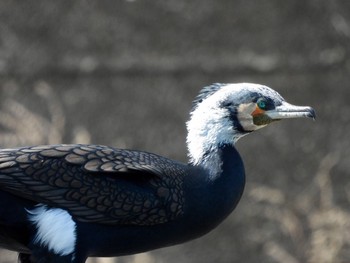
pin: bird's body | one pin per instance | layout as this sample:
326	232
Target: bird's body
132	233
63	203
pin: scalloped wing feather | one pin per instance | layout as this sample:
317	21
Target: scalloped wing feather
73	177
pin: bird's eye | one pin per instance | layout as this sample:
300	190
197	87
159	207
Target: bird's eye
262	104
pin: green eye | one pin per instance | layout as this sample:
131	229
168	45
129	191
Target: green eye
262	104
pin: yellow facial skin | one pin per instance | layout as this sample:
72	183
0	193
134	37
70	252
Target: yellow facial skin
260	118
251	117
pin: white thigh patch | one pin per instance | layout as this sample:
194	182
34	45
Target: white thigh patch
55	229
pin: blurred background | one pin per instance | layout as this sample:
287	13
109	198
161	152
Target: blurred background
124	73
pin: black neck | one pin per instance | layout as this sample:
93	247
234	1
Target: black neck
214	198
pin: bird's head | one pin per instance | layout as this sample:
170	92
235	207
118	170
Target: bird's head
223	113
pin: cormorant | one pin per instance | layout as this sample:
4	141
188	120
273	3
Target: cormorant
64	203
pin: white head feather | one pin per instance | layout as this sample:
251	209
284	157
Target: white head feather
210	124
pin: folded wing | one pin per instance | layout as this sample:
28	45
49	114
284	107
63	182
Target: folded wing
96	183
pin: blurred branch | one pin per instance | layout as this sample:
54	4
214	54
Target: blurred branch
327	222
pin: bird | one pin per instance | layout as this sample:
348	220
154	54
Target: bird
64	203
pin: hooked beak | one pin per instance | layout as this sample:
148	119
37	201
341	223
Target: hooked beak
288	111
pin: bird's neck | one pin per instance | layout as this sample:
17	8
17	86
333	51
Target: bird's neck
229	179
206	135
212	162
214	198
206	151
218	161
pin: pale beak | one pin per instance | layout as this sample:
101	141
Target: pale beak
288	111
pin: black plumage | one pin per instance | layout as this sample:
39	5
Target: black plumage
63	203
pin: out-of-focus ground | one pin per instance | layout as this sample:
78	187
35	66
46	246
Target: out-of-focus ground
124	73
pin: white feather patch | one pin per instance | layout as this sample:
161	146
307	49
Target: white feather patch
55	229
209	125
